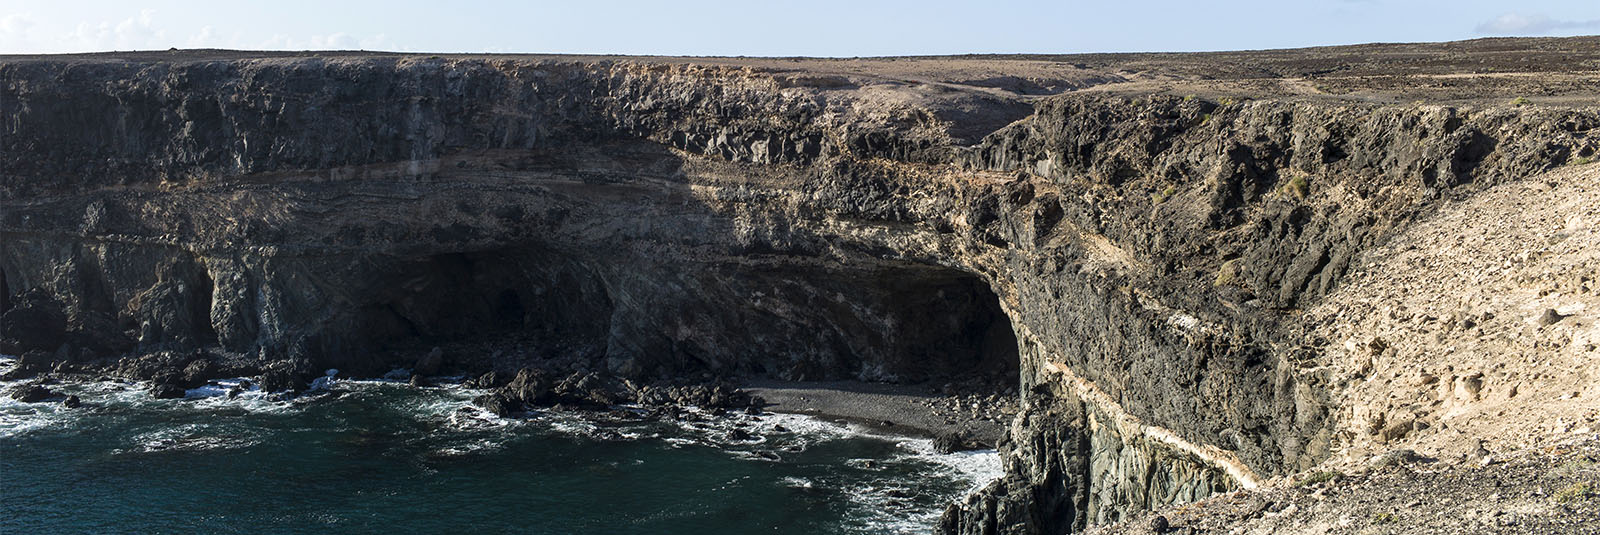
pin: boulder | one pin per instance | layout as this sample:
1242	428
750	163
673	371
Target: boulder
498	404
167	391
1549	317
32	393
198	371
532	386
29	364
950	442
1397	457
35	322
282	379
1159	524
489	379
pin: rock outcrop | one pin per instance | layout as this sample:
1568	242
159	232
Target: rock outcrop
1137	255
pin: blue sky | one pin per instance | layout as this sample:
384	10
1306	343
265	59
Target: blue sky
773	27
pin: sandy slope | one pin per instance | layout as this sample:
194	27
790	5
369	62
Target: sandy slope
1471	408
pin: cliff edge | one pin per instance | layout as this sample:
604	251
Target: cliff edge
1205	273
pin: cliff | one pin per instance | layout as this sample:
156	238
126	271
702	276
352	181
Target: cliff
1133	239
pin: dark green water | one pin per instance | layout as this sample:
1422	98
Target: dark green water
388	458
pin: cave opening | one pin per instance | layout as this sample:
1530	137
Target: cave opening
951	327
508	310
200	307
900	323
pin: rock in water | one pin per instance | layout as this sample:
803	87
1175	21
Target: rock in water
489	379
32	393
1163	249
198	371
72	402
167	391
282	379
497	404
950	442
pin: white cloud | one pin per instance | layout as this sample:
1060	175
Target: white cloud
332	41
379	42
16	30
205	38
1522	24
22	33
16	24
132	33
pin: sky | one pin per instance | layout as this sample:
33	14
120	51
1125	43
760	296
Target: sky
837	28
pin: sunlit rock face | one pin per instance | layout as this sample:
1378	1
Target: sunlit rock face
1133	261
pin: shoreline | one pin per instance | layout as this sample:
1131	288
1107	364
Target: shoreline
914	410
975	421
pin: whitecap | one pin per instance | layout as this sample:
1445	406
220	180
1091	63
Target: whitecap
797	482
189	437
980	467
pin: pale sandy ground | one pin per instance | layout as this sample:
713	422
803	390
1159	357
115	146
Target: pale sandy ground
1441	338
1467	352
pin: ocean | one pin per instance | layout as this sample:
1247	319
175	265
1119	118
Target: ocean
386	457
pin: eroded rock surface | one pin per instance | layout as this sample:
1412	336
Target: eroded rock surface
1134	251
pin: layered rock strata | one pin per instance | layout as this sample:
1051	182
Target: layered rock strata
1135	260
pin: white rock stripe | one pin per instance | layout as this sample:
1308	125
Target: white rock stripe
1129	425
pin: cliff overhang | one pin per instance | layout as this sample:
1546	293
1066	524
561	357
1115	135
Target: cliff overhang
1134	257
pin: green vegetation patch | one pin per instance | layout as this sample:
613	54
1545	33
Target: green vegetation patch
1297	186
1228	274
1575	492
1158	198
1319	477
1573	467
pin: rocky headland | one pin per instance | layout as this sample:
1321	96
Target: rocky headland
1202	277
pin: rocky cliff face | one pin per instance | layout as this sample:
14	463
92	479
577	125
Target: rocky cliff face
1137	259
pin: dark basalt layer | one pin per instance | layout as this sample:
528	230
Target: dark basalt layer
664	218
